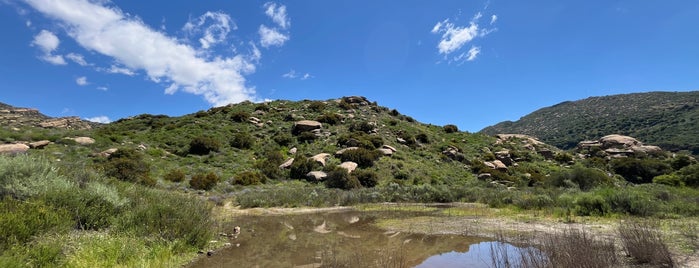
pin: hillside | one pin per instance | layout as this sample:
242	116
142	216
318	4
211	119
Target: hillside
667	119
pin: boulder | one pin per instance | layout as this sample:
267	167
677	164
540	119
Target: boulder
306	125
389	147
646	149
287	163
504	156
485	176
108	152
293	150
320	158
39	144
349	166
616	140
489	164
401	140
386	152
316	175
13	148
526	138
84	140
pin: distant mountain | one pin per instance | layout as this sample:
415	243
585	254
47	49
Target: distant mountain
667	119
11	116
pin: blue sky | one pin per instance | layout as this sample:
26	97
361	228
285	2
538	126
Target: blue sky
469	63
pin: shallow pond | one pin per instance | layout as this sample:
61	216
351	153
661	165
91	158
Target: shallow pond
344	239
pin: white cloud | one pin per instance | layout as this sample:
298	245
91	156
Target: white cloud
103	88
214	27
109	31
48	42
81	81
271	37
120	70
306	76
77	58
454	38
278	14
291	74
99	119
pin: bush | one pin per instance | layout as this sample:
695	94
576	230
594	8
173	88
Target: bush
20	221
202	145
246	178
283	139
240	116
168	216
639	170
306	137
582	177
669	179
316	106
645	244
360	139
362	126
269	166
24	176
175	175
340	178
690	175
363	157
127	164
301	167
451	128
366	178
242	140
330	118
422	137
92	208
203	181
591	205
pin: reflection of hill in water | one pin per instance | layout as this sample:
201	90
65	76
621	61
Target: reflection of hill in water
334	239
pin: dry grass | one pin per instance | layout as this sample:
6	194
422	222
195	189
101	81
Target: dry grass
643	242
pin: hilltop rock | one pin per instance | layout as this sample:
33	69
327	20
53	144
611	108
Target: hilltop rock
72	122
616	140
320	158
386	152
13	148
342	151
287	163
306	125
616	145
389	147
349	166
83	140
39	144
316	175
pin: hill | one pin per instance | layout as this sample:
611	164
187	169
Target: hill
667	119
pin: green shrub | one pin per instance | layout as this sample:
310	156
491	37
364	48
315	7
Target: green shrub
262	107
127	164
582	177
316	106
269	165
367	178
25	176
631	200
340	178
362	126
242	140
202	145
283	139
330	118
306	137
301	167
639	170
203	181
422	138
20	221
246	178
451	128
363	157
168	216
240	116
562	157
88	208
690	175
588	204
669	179
175	175
360	139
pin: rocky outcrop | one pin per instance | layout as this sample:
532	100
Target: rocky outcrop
342	151
316	175
306	125
13	148
83	140
72	122
287	163
39	144
320	158
616	145
386	152
349	166
525	138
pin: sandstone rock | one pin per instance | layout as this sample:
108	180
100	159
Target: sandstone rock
646	149
39	144
108	152
489	164
484	176
306	125
386	152
13	148
616	140
499	165
349	166
287	163
320	158
254	120
84	140
293	150
401	140
340	152
504	156
389	147
525	138
316	175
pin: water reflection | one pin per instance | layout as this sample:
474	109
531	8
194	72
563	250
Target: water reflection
342	239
